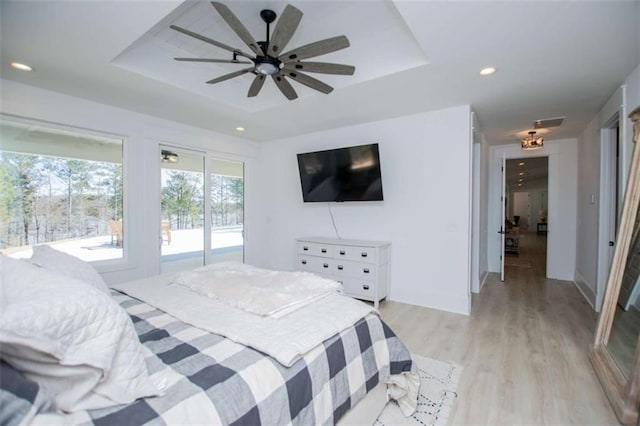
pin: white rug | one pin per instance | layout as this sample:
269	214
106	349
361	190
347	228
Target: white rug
438	385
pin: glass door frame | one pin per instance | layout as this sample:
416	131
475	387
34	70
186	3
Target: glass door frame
206	185
208	157
208	169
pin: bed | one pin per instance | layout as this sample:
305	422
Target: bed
207	378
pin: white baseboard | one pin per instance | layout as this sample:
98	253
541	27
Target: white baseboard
585	289
441	302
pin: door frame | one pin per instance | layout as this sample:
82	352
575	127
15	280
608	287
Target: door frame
609	142
503	213
206	197
209	173
554	243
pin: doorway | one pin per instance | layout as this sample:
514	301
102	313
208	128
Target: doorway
610	202
182	201
526	214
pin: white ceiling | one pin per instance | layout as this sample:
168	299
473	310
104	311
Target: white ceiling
562	58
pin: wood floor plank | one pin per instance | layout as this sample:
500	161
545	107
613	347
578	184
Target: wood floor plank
523	348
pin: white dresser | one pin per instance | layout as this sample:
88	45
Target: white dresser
361	266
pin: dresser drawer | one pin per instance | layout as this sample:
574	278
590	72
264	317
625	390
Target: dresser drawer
316	264
315	249
361	289
345	268
360	254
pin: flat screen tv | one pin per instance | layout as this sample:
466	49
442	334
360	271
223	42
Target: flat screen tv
343	174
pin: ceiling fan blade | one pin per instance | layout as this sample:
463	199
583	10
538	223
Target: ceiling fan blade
309	81
321	67
230	75
257	84
284	86
286	26
208	40
315	49
237	27
217	61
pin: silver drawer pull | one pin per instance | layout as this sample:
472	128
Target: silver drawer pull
365	286
363	254
365	270
304	262
323	250
305	248
340	267
342	253
325	265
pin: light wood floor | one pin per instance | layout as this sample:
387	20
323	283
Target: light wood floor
523	348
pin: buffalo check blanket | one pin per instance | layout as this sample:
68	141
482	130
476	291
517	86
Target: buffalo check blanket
212	380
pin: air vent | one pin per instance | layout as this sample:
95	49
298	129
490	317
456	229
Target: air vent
548	122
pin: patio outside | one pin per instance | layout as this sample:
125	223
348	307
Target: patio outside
186	244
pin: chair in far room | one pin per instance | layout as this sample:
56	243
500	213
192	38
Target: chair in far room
165	231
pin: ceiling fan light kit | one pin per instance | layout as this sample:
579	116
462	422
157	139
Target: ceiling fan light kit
266	57
168	156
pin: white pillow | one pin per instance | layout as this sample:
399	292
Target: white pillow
65	264
73	340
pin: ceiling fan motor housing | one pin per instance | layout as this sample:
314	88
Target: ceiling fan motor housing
268	59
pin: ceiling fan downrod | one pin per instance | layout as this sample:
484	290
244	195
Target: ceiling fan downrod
268	16
267	65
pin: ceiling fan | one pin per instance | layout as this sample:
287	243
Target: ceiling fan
266	57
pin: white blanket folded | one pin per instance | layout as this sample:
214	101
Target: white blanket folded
258	291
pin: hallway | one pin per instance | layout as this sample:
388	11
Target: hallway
523	348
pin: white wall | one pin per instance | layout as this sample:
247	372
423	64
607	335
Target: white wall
143	135
591	272
561	238
426	177
522	207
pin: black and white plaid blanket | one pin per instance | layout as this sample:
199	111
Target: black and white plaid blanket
212	380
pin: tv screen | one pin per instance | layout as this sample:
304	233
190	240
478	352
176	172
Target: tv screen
344	174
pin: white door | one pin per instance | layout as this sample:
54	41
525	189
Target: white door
503	201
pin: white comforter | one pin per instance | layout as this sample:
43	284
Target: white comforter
258	291
286	339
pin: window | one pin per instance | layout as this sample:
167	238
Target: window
62	187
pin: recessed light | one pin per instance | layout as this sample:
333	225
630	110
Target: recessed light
519	184
240	129
488	71
521	164
21	66
521	174
520	180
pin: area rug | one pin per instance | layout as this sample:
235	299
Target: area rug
438	385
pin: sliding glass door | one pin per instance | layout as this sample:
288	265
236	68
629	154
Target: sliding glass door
182	225
227	210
